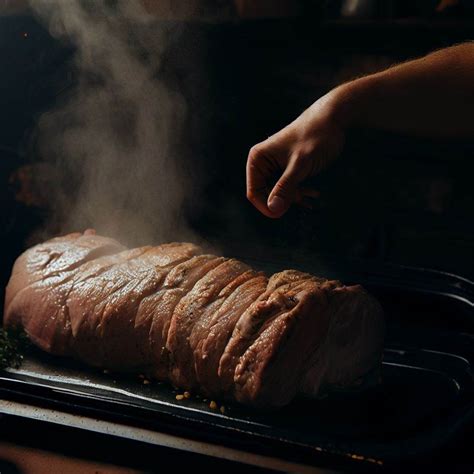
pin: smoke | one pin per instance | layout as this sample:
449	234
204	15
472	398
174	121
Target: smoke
113	138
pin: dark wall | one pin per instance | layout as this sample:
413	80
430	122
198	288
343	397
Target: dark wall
390	198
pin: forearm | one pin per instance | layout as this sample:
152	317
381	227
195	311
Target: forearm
431	96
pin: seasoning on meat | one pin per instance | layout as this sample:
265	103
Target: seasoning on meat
204	323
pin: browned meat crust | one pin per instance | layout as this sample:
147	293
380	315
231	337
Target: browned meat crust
202	322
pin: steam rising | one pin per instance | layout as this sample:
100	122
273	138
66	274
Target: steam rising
113	139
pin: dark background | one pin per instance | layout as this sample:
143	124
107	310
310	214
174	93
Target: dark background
389	198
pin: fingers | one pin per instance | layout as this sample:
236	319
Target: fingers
285	191
275	202
309	192
306	196
259	168
306	204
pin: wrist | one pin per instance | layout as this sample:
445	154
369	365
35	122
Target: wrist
349	102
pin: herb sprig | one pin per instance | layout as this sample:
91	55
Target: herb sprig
12	347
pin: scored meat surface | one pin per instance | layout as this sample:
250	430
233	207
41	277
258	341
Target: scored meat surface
204	323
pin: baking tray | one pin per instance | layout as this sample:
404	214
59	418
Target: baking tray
424	402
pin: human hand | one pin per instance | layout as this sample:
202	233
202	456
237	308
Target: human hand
278	167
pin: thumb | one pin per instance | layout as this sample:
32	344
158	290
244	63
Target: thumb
284	191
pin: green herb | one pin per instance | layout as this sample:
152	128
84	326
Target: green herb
12	346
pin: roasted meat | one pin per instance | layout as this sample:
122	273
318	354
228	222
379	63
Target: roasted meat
204	323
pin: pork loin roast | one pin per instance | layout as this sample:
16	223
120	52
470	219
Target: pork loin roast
204	323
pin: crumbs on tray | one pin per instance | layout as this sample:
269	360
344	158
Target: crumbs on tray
212	404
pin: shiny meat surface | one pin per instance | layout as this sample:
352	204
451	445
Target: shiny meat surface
202	322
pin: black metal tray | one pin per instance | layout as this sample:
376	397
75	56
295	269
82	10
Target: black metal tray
425	399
